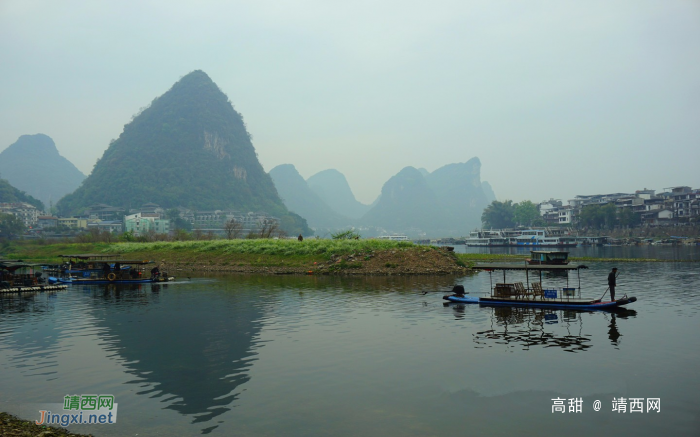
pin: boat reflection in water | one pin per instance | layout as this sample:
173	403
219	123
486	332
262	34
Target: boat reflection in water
543	327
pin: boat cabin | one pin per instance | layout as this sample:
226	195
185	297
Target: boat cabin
20	274
548	257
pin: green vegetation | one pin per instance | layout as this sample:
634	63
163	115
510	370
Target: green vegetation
10	194
346	235
10	226
13	426
500	215
320	249
262	246
607	216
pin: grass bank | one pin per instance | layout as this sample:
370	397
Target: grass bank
310	256
284	256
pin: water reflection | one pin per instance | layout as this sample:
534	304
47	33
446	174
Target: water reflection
32	346
26	302
193	353
527	327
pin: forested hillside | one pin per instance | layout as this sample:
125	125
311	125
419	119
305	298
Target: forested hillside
188	148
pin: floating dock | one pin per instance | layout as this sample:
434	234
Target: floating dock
32	288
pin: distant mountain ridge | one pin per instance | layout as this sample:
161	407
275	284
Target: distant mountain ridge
33	164
447	202
407	202
333	188
301	199
189	148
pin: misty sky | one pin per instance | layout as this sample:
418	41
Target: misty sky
556	98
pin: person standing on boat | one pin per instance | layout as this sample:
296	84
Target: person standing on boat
612	276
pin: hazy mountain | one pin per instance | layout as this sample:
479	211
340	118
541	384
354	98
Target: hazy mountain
332	187
10	194
459	190
299	198
34	165
188	148
488	192
446	202
406	203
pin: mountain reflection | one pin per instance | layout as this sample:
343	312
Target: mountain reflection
194	352
527	327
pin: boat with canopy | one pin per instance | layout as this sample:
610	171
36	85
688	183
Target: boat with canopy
533	294
107	269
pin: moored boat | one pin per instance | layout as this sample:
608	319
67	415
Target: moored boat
534	295
18	276
539	237
486	239
101	270
548	257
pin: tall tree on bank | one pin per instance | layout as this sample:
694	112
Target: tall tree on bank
189	148
526	213
499	215
606	216
10	227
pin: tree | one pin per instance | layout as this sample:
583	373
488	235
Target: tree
499	215
270	228
591	216
627	217
346	235
10	226
526	213
233	229
609	212
178	222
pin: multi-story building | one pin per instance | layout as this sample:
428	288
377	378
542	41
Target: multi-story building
73	222
24	211
685	203
141	223
111	226
47	221
680	205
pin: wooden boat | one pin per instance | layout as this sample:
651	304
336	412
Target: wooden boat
548	257
534	294
17	276
98	269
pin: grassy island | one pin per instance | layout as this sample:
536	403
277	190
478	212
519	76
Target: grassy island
311	256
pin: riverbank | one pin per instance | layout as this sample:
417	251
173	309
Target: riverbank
12	426
322	257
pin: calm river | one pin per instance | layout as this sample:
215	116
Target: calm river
317	356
